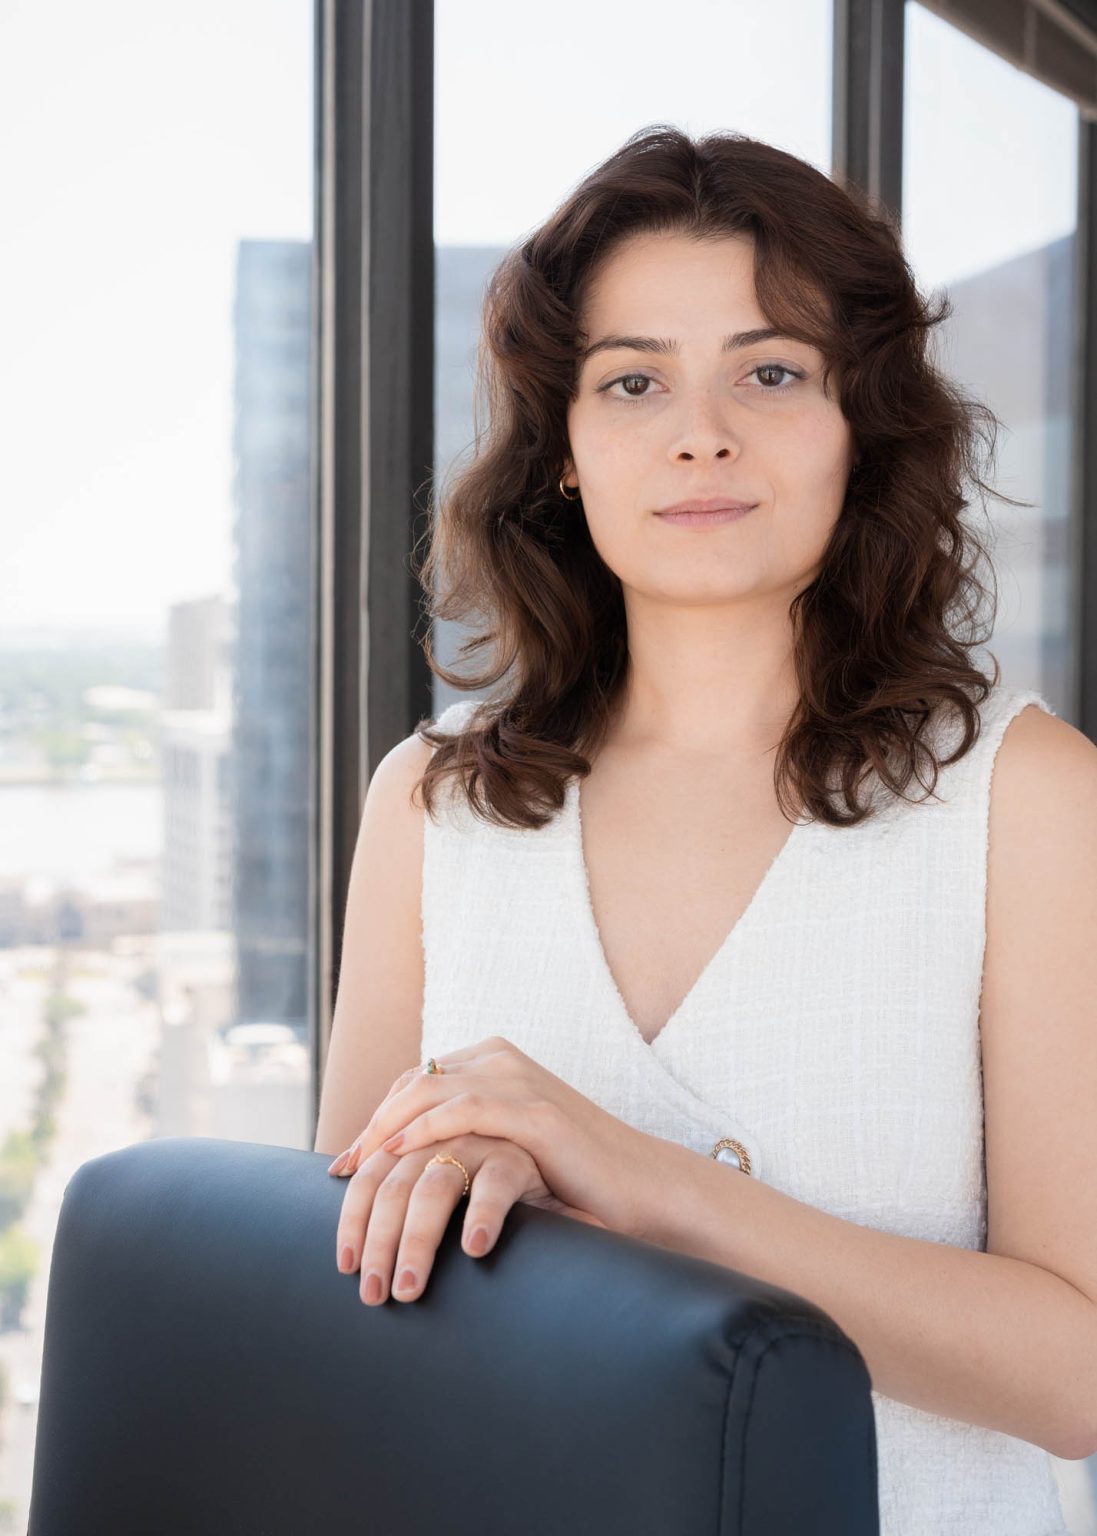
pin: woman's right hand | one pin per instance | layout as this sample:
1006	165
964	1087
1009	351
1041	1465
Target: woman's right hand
396	1209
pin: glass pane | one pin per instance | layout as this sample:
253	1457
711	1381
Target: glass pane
990	172
761	67
154	606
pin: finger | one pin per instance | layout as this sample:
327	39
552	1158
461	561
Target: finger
469	1111
495	1056
355	1212
349	1161
346	1162
406	1098
491	1046
493	1189
498	1184
411	1211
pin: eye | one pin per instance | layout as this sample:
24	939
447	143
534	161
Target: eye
625	378
776	368
761	368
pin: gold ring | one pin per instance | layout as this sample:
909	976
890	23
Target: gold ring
446	1157
735	1146
431	1067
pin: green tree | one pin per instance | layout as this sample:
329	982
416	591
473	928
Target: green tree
18	1165
19	1260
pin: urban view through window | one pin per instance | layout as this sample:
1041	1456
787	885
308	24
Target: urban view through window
154	621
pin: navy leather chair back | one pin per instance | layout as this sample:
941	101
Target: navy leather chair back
208	1372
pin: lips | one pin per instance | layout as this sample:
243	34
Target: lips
705	519
707	504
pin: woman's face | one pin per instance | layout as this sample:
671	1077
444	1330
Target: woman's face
648	428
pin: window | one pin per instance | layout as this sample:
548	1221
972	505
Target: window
990	214
990	173
154	607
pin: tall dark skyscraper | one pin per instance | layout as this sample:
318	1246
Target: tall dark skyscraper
273	641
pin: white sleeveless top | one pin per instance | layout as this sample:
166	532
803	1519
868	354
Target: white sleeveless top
835	1034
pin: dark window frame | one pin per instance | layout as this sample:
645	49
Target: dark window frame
373	423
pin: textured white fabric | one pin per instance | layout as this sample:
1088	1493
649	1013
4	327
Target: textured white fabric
835	1033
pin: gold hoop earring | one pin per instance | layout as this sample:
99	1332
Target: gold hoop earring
564	489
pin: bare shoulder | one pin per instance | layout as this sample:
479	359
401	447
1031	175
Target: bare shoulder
1042	822
1042	813
394	779
1035	744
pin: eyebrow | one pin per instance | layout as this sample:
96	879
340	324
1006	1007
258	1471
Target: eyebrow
658	344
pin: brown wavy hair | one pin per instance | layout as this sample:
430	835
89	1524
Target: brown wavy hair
881	636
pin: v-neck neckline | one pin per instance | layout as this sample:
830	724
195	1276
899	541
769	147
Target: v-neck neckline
590	924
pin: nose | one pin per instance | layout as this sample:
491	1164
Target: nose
688	453
706	435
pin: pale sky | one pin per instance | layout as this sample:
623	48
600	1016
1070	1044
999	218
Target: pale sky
140	142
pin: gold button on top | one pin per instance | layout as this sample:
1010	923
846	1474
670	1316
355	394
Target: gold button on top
729	1144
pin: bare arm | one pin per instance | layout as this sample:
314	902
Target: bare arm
974	1336
377	1022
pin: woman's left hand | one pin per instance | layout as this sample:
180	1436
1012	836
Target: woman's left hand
588	1158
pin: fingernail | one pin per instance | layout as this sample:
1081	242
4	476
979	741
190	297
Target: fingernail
353	1158
337	1163
407	1281
346	1258
373	1286
479	1240
392	1143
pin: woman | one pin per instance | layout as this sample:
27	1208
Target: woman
656	1005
